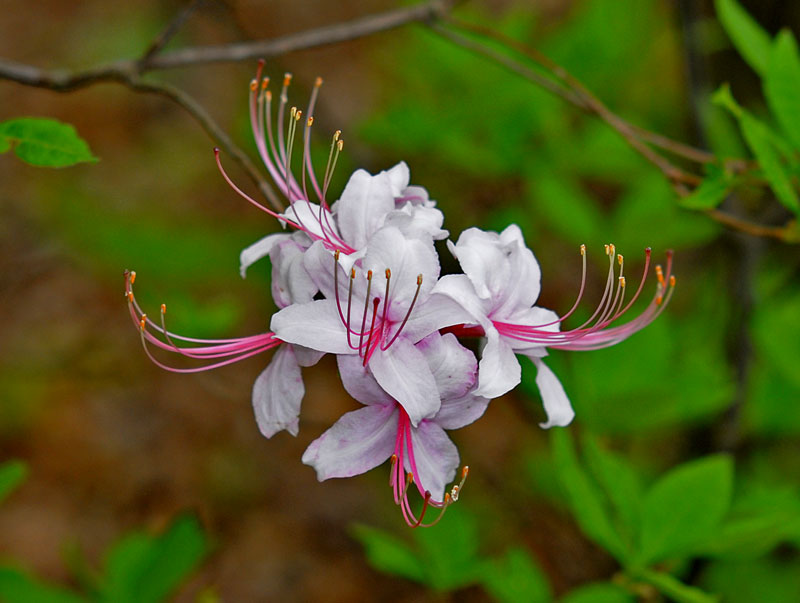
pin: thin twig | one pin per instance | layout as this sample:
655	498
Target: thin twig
129	72
215	132
572	90
170	30
586	100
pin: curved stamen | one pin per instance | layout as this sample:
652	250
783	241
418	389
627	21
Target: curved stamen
408	314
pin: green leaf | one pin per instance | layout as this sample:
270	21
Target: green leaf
389	554
749	38
766	146
18	587
143	569
769	579
599	592
12	474
675	589
44	142
585	499
758	138
685	507
711	192
516	577
620	483
782	85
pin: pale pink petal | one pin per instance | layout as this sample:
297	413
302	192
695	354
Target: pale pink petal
407	259
260	249
277	394
315	325
306	356
556	404
364	203
499	370
543	319
403	373
399	175
435	457
291	282
458	412
307	217
359	441
460	289
453	366
359	382
434	313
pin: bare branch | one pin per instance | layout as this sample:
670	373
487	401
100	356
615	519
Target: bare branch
331	34
170	30
211	127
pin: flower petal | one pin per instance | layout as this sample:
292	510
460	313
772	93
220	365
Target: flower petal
359	441
261	248
291	282
360	383
460	289
435	458
432	314
458	412
499	370
364	203
315	325
453	366
307	216
403	373
556	404
399	175
277	394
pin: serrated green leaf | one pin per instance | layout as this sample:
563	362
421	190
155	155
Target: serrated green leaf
44	142
782	85
12	474
749	38
516	577
760	141
600	592
685	507
19	587
711	192
585	499
144	569
389	554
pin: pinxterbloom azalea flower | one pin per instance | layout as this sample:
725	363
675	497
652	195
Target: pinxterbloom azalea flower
360	278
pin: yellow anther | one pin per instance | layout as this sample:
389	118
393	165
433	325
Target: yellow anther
369	275
253	85
409	478
352	273
336	135
608	249
622	282
583	249
612	248
133	276
672	280
660	275
388	274
340	145
318	82
620	259
336	255
464	471
454	493
419	280
163	308
142	321
293	112
130	296
393	459
659	299
269	96
298	116
264	83
287	78
310	121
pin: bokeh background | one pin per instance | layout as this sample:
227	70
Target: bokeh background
114	444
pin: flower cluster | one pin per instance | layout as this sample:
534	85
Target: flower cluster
360	279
